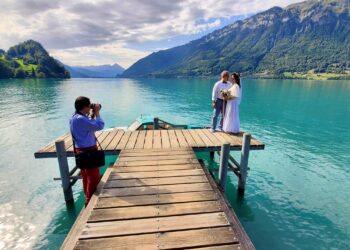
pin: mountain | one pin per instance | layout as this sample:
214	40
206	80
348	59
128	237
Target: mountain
30	60
312	36
104	71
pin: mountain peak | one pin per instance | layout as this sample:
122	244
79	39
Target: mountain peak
29	47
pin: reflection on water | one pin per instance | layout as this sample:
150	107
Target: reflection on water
297	187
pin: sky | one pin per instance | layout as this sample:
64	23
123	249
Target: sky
96	32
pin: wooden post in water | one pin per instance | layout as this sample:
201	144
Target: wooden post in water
64	170
156	123
224	156
244	162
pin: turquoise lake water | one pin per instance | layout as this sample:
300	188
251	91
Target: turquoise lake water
297	194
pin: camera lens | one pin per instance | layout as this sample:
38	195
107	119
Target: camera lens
93	105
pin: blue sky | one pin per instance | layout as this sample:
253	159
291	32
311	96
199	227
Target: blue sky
95	32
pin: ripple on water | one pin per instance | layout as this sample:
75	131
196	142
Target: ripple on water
16	232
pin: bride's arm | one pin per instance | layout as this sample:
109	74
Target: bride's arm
234	92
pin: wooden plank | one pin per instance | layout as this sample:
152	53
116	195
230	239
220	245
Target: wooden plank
160	174
211	136
230	138
190	141
155	199
101	138
165	138
222	139
124	140
168	240
197	138
115	140
132	140
123	158
157	140
149	139
68	142
108	139
159	162
127	213
157	168
151	153
168	189
222	247
135	242
204	138
140	139
51	147
196	238
181	138
173	139
155	181
152	225
156	151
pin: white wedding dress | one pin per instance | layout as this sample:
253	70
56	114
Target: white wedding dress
231	119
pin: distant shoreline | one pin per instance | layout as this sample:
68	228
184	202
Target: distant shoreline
284	76
297	76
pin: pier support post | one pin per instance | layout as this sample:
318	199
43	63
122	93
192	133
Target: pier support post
224	156
244	162
212	155
155	123
64	170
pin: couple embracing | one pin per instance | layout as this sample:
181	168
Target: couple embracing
226	98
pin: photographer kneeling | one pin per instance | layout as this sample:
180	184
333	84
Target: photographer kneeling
83	130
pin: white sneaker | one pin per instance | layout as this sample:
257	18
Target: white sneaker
219	129
212	130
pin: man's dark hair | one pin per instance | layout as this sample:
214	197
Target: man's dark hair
81	102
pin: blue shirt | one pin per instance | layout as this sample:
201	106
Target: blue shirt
83	129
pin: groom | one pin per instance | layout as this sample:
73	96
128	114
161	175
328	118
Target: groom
218	101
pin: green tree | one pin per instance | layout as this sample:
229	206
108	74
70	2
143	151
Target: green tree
40	75
20	73
5	70
32	74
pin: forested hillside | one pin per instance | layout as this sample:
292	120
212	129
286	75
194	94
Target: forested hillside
30	60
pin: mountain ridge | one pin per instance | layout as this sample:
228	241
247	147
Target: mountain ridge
310	36
95	71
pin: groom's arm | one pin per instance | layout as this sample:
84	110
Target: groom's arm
215	94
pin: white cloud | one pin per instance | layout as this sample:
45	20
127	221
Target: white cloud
83	32
97	55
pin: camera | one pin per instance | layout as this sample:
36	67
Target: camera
93	105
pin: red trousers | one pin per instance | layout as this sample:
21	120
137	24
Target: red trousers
91	177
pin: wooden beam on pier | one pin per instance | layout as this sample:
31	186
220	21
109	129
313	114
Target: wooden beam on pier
114	141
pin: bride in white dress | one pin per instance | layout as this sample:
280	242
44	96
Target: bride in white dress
231	120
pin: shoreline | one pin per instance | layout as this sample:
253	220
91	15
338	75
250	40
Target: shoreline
287	76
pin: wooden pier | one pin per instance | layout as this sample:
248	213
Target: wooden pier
157	199
157	195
